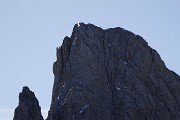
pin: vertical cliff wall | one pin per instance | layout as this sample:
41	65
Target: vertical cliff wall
111	74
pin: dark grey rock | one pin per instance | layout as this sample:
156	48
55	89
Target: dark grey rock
107	74
112	74
28	108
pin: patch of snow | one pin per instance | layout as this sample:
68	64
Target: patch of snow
118	88
125	63
70	96
86	106
83	109
75	40
78	24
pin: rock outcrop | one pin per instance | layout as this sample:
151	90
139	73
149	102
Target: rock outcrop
109	74
112	74
28	108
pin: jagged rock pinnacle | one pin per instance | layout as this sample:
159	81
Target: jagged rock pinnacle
111	74
28	108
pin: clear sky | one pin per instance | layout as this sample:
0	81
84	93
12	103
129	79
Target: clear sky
30	31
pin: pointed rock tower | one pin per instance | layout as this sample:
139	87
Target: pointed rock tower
28	108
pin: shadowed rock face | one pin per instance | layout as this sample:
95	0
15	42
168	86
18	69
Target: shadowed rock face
107	74
28	108
112	74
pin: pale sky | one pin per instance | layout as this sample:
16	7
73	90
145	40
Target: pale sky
30	31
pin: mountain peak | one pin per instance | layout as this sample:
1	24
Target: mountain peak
28	108
108	74
25	89
115	73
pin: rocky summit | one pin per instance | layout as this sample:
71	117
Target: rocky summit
28	108
110	74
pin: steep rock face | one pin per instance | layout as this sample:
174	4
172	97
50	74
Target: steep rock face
112	74
28	108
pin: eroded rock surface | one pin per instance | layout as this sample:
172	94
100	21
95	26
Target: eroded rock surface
112	74
28	108
107	74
